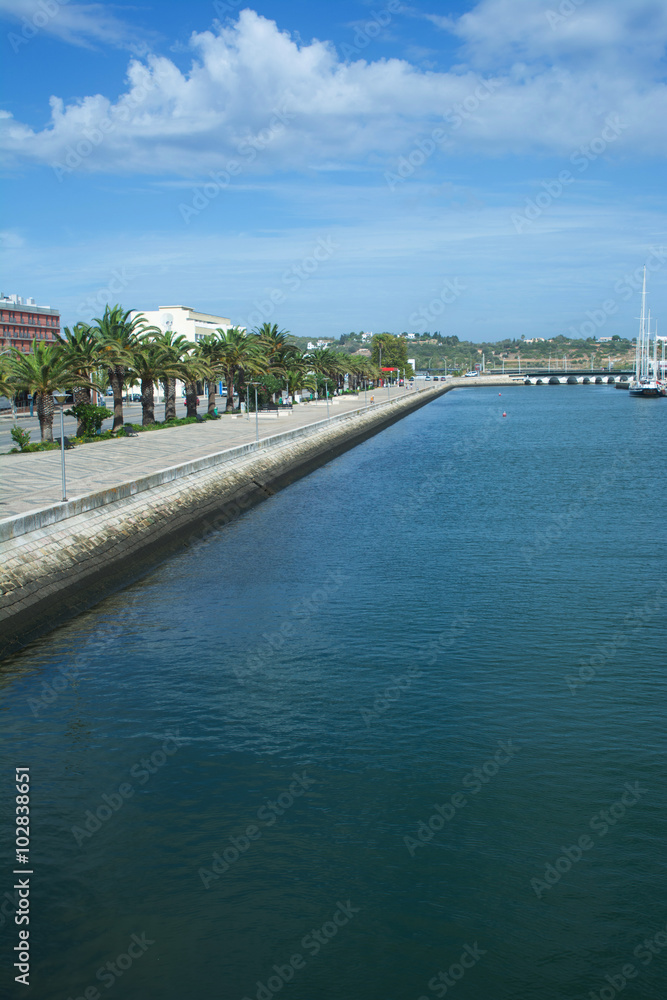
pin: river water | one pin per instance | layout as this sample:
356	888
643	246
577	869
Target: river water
399	732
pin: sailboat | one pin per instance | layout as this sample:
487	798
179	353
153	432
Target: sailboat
646	381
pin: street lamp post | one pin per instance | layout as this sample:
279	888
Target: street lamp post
256	412
59	398
326	390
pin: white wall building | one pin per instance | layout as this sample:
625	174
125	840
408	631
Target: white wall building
183	320
188	322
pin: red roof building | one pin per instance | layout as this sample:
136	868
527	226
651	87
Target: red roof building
21	322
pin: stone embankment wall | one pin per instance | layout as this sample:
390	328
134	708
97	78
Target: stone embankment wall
61	560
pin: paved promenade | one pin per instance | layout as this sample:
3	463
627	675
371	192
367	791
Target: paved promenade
32	481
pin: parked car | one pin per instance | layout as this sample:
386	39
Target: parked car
471	374
136	397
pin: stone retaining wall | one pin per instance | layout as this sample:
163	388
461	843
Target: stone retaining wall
61	560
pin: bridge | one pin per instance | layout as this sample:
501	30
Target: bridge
594	375
575	378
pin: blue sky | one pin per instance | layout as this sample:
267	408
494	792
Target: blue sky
484	169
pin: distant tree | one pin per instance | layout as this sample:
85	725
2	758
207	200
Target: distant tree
393	351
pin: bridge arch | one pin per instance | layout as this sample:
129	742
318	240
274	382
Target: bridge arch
572	380
554	380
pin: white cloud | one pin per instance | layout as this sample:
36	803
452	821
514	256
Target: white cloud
11	240
84	25
605	31
254	95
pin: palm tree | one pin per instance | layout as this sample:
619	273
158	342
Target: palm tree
330	364
174	347
81	348
299	377
6	387
150	363
118	337
280	354
275	343
193	369
42	372
237	354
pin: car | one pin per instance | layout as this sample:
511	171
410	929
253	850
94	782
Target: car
471	374
136	397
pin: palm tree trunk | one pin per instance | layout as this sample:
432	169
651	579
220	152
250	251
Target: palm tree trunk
116	378
170	399
212	386
230	394
147	402
81	395
191	399
45	413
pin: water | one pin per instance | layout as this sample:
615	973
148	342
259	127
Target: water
378	629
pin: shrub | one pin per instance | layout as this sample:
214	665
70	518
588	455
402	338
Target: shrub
91	417
20	437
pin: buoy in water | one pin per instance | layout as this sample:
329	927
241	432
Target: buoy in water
500	393
504	414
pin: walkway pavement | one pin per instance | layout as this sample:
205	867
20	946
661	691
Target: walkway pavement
33	481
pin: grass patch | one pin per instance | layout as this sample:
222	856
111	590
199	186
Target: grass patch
42	446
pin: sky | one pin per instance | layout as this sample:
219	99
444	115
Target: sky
488	170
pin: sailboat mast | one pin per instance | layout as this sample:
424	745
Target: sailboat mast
640	335
641	345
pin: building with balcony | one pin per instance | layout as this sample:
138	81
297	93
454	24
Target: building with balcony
22	321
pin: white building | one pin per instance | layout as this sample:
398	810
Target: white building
183	320
320	343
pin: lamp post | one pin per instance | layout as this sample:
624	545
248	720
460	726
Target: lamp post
256	413
326	390
59	399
